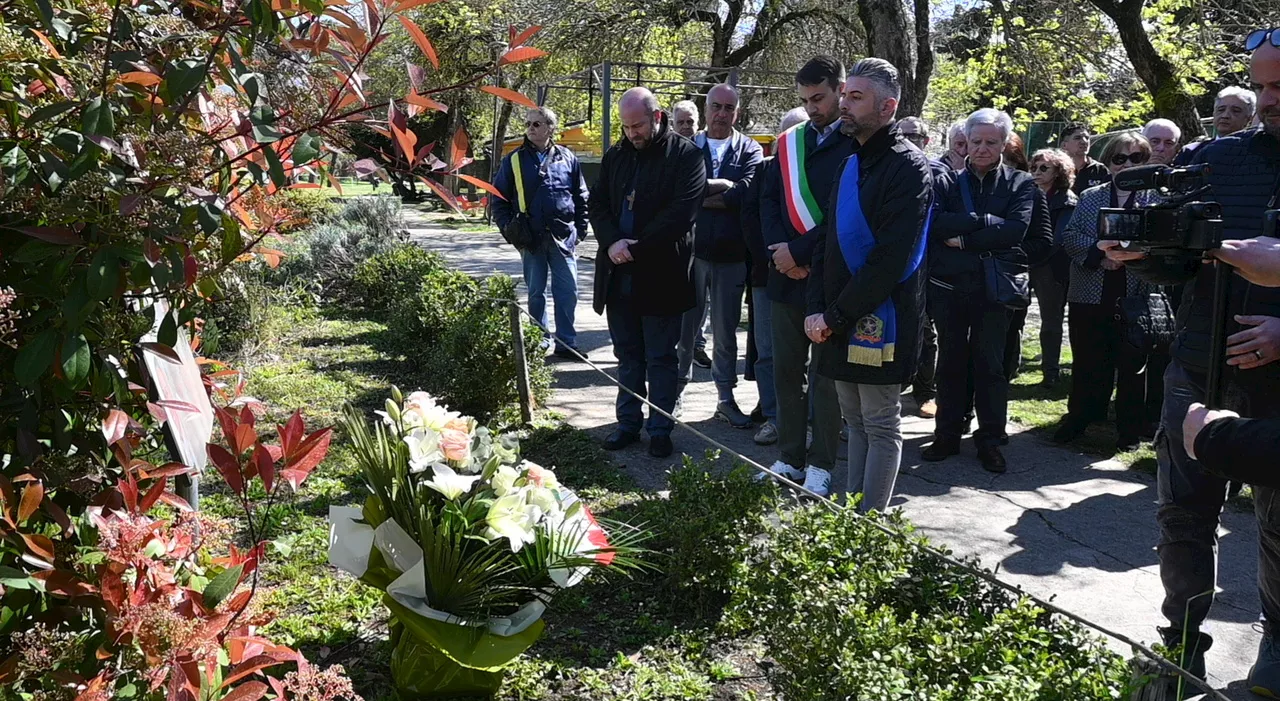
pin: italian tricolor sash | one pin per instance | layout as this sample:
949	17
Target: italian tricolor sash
802	207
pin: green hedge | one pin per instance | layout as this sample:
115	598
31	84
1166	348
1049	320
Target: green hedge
850	612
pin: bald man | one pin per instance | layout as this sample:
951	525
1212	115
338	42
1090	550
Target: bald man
643	210
720	251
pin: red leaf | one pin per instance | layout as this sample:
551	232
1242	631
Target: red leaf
175	501
228	467
523	53
39	545
458	148
63	583
53	234
410	4
482	185
276	684
129	490
170	469
421	101
524	36
404	137
248	691
129	203
421	40
10	499
115	426
509	95
253	664
59	516
308	455
31	498
161	350
292	433
444	194
416	76
153	495
266	467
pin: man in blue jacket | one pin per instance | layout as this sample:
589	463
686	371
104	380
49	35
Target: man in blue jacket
720	251
554	196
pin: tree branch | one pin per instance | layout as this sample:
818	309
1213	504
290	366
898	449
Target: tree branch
759	40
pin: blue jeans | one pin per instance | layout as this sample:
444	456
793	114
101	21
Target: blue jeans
564	289
763	333
645	347
726	283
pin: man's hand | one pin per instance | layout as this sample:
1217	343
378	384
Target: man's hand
1256	260
815	327
782	259
716	186
799	272
1255	347
714	202
620	251
1117	254
1197	418
953	242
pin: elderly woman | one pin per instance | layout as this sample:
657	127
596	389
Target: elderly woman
982	211
1100	363
1054	174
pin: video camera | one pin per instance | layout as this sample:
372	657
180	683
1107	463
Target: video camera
1179	225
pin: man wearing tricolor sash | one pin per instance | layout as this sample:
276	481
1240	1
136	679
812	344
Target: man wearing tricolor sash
720	251
792	201
866	283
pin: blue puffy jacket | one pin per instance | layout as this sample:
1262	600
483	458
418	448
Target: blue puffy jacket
555	190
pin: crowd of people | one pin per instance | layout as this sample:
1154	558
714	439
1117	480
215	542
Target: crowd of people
869	267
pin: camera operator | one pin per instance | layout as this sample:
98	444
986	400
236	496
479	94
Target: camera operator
1245	179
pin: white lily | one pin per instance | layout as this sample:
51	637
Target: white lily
449	483
504	479
424	445
511	518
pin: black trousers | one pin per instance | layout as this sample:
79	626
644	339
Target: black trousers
924	385
1099	365
971	342
749	371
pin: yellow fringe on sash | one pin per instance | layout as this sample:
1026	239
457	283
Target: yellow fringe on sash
875	357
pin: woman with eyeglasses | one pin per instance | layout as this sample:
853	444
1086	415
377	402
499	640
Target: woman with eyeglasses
1054	173
1096	284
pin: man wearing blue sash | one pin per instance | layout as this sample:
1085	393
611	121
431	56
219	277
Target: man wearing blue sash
866	286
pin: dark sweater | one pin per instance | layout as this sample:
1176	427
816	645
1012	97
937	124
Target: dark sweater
821	164
1242	449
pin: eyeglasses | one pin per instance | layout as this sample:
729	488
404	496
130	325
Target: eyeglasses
915	137
1041	168
1259	36
1137	158
533	124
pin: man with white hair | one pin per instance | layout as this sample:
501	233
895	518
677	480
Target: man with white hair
642	209
982	215
543	181
1165	137
684	118
957	146
1233	110
731	160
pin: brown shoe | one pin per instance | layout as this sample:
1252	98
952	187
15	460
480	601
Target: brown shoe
928	410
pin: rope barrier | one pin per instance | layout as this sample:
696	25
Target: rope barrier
988	577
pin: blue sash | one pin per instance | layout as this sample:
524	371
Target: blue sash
873	338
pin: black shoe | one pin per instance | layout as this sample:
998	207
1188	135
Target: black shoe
1051	378
620	439
757	415
566	353
660	446
940	449
992	459
1068	431
1157	683
701	359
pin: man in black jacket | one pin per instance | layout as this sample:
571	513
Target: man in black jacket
1244	178
983	212
642	210
866	285
790	214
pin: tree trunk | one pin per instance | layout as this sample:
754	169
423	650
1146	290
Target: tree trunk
1171	99
885	22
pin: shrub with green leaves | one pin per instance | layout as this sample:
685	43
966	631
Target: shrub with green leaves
324	255
849	611
705	526
389	278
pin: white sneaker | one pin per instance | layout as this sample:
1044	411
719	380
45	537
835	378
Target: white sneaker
791	473
817	480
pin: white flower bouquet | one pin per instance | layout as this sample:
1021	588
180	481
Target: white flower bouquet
468	543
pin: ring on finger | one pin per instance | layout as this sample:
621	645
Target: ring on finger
1257	353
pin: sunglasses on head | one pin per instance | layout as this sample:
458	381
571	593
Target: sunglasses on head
1260	36
1137	158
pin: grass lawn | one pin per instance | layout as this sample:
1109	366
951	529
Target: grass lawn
354	188
605	639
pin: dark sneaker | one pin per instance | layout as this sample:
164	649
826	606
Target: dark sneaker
1051	378
701	359
1264	677
757	415
940	449
1068	431
660	446
1155	684
566	353
620	439
992	459
729	411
